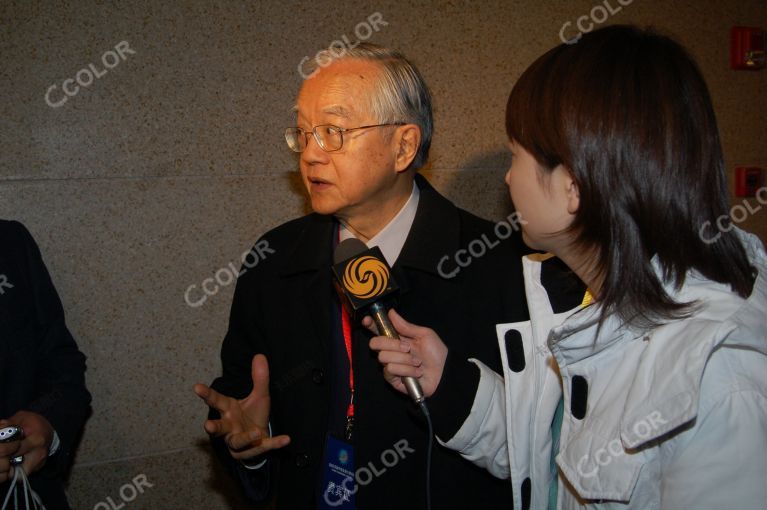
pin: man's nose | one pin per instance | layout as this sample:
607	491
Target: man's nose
313	153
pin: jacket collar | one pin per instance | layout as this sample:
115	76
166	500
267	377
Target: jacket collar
435	231
312	247
434	234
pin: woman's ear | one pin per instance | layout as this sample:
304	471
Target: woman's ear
573	194
408	139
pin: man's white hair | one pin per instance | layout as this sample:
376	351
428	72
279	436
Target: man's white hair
401	94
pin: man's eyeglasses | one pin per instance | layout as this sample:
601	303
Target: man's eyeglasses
330	138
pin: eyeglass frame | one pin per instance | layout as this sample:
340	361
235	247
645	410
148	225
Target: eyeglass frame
341	132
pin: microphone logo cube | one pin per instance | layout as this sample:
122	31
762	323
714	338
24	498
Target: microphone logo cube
365	278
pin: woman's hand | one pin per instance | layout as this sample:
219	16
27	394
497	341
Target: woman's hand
419	353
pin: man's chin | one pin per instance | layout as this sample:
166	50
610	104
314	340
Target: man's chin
322	207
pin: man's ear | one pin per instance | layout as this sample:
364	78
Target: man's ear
573	193
407	139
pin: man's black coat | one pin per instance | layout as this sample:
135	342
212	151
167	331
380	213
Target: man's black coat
41	368
282	308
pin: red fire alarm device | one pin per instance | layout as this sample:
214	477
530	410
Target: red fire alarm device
748	180
747	48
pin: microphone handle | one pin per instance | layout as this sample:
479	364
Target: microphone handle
385	327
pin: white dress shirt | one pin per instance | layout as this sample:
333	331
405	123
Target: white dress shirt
392	237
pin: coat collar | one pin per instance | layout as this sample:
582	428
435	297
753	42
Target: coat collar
435	233
313	247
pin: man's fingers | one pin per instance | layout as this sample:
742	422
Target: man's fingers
384	343
217	427
214	399
244	440
265	445
259	372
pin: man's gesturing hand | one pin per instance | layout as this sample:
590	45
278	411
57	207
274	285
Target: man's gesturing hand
244	423
418	353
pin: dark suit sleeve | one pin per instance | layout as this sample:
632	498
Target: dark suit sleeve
60	396
242	342
451	402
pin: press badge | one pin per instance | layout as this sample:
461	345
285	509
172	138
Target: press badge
338	487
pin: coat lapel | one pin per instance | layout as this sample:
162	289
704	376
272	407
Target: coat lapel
310	261
435	234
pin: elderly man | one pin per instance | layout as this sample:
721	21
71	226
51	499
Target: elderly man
363	130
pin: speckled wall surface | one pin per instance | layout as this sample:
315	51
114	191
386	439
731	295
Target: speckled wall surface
171	163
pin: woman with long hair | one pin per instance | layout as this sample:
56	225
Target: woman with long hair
640	380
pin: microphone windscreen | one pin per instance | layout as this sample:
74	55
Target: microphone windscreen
347	249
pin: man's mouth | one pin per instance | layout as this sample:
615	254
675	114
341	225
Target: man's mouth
318	182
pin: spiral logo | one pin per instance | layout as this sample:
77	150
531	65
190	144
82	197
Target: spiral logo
366	277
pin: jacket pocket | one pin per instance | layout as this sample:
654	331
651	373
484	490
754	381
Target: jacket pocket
599	468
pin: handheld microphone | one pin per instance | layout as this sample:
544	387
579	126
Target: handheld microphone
365	279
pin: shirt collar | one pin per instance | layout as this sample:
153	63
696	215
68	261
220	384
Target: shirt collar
392	237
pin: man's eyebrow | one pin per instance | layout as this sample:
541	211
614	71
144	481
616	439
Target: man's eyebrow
338	111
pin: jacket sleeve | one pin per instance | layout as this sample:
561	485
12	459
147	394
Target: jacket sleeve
482	437
452	400
61	396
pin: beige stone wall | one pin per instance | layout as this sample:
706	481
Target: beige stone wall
170	164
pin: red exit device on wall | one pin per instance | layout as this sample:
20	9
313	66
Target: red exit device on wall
747	48
748	180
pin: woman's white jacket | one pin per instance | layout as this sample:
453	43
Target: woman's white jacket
674	417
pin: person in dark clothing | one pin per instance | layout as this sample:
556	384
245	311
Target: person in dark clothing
363	130
42	372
